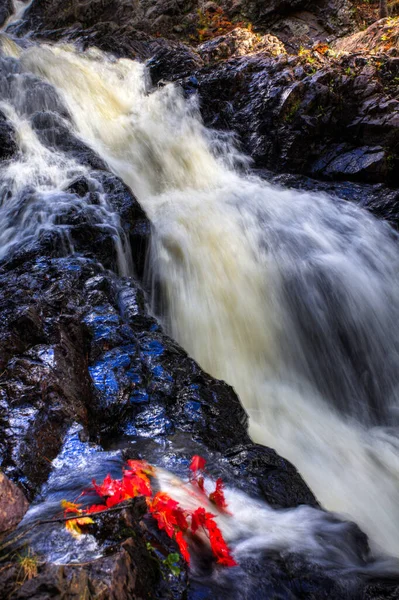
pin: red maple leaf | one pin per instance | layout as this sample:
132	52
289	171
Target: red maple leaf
116	498
197	463
183	546
199	481
218	544
199	518
167	511
108	487
181	518
95	508
136	484
162	509
217	497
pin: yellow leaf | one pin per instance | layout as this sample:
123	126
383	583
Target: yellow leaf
74	525
70	506
73	528
84	521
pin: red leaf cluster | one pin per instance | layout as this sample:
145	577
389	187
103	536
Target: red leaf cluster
197	466
170	516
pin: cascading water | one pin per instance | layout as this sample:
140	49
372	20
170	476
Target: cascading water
33	200
289	297
19	7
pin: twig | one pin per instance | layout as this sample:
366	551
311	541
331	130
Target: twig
61	520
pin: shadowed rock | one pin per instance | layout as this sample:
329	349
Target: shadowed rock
13	504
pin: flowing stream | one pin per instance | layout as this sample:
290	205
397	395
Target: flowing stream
290	297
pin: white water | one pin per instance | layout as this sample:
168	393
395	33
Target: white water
20	6
291	298
32	184
254	527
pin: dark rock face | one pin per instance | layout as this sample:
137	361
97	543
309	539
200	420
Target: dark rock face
309	22
171	62
239	42
13	504
182	20
335	123
6	9
379	199
8	145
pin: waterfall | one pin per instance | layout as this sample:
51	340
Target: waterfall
290	297
19	6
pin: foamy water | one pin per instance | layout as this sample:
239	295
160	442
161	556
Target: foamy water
290	297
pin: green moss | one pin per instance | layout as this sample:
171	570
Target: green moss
289	117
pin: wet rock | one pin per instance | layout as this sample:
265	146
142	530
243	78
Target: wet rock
45	386
28	93
56	134
171	62
80	186
104	363
365	163
132	566
319	21
6	10
328	119
389	590
128	573
145	383
277	481
35	95
8	144
13	504
133	219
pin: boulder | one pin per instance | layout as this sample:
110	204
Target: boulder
382	36
239	42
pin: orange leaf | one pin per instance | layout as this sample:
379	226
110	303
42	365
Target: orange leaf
140	466
136	485
70	507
